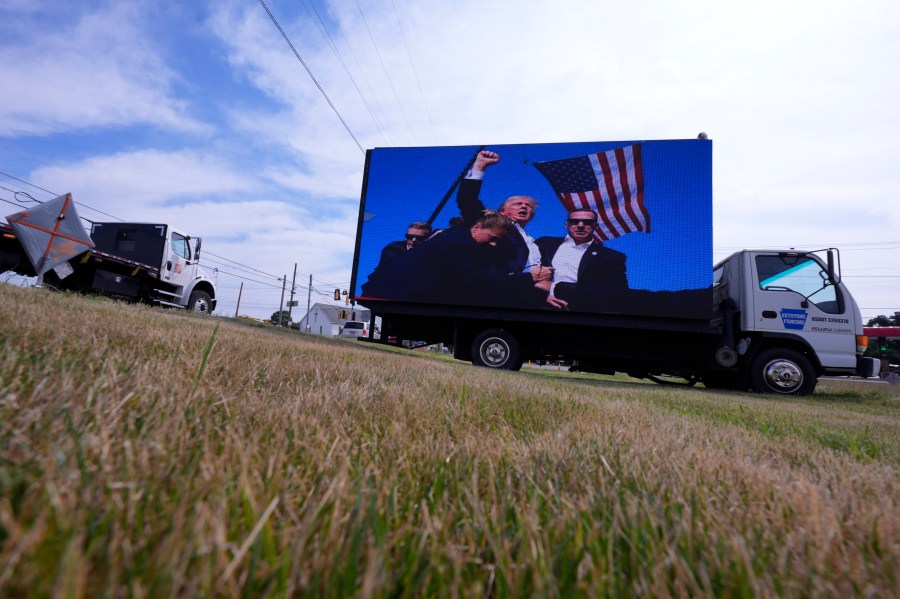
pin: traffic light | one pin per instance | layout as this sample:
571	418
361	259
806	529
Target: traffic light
882	345
337	295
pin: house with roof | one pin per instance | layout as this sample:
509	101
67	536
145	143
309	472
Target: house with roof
328	320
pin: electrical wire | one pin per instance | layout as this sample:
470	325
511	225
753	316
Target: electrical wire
55	195
297	54
250	268
317	20
415	72
387	74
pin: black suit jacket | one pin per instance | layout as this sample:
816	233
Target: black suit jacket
510	256
448	268
391	251
512	249
601	274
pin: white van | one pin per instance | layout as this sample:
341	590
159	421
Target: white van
355	329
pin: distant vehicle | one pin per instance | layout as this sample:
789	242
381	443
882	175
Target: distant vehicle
152	263
772	321
355	330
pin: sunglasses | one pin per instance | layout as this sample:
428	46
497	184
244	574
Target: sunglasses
582	221
410	237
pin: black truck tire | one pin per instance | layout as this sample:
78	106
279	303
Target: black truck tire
496	348
199	302
783	372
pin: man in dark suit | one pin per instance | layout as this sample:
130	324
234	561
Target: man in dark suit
416	233
451	267
584	272
518	256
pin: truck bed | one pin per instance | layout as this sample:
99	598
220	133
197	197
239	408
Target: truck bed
13	258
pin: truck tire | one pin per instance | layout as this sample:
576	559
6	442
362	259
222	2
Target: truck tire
199	302
783	372
496	348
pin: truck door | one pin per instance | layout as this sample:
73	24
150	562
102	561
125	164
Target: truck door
178	269
792	294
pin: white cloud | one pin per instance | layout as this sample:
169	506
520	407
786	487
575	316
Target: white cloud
101	71
134	184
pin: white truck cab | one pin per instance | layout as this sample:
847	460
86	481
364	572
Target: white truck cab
795	315
162	252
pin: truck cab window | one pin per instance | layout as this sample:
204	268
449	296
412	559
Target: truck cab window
800	274
180	246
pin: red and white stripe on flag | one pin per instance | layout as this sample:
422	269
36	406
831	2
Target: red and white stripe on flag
619	195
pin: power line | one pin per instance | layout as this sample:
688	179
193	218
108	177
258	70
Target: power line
388	75
415	72
29	184
251	268
54	194
323	29
297	54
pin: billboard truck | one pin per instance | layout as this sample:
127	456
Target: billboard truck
596	253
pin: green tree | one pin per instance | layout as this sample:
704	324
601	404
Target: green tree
281	317
892	346
885	321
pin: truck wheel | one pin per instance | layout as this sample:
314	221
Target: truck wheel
496	349
199	302
782	371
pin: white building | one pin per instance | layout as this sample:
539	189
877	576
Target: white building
324	319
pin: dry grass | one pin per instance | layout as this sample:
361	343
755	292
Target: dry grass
154	453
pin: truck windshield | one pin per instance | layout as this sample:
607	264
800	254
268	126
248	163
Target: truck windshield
800	274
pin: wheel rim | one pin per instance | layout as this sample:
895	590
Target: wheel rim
494	352
783	376
201	305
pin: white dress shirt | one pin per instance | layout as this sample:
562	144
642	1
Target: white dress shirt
566	261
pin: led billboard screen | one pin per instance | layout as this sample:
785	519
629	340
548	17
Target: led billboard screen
590	227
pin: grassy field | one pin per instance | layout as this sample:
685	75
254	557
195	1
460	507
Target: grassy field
155	453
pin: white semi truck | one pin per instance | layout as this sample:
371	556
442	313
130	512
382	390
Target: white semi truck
771	321
147	262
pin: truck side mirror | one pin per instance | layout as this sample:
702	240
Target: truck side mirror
831	276
197	250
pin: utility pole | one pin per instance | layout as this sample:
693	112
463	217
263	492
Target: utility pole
281	304
240	292
292	303
308	298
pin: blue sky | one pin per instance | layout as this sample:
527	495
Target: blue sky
199	115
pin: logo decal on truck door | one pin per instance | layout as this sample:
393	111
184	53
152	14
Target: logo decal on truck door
793	319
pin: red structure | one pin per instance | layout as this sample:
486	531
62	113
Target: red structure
889	332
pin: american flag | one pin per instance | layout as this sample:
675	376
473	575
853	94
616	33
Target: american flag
609	183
